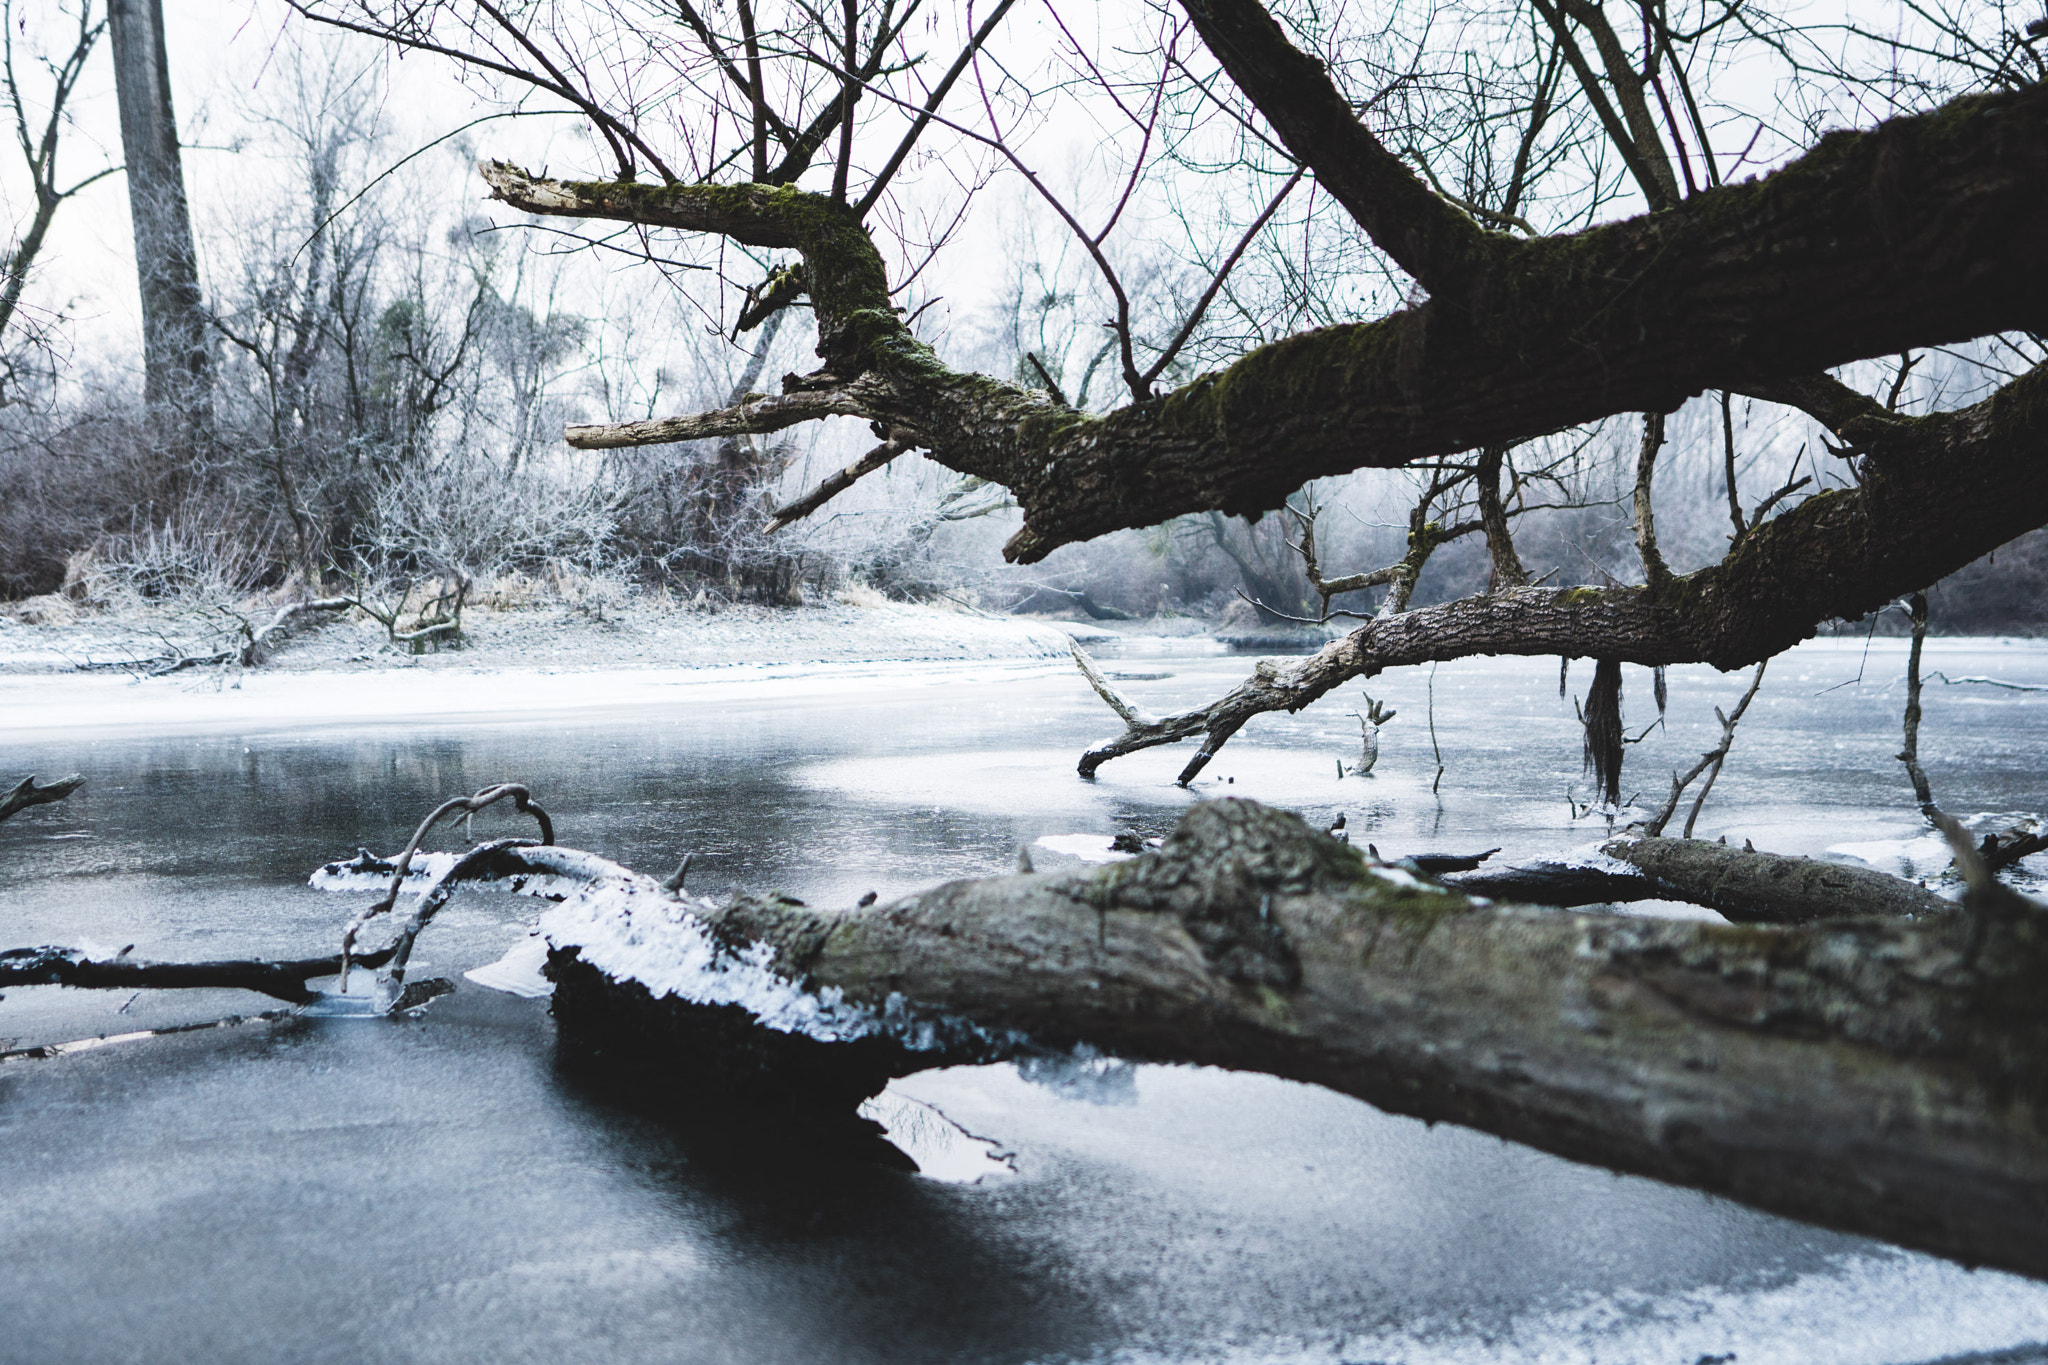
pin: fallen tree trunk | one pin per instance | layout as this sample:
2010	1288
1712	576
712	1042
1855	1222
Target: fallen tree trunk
1743	885
1877	1076
281	979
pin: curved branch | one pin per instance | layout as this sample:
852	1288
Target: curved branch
1941	492
1920	232
26	793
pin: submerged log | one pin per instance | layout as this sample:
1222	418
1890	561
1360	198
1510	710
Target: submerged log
1877	1076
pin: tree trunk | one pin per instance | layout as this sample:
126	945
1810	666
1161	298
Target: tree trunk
174	334
1880	1077
1741	884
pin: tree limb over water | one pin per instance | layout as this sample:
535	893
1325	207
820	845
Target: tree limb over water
1880	1076
1921	231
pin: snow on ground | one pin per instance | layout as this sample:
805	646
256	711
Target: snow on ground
60	638
517	664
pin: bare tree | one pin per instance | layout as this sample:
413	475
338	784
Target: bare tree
39	149
174	330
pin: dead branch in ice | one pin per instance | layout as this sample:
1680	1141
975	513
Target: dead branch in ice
26	793
1748	887
1880	1075
1987	682
1916	611
1710	764
282	979
1375	715
519	864
522	800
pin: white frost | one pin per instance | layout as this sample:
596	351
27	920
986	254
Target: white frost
1089	848
343	876
1594	858
632	931
1923	856
942	1149
1401	876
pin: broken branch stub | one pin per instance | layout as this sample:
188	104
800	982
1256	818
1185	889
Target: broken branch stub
26	793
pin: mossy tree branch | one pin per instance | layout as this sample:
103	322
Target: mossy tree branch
1922	231
1937	493
1872	1076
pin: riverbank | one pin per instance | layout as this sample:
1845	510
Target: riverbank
52	636
105	669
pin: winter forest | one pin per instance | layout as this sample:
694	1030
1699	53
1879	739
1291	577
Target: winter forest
565	567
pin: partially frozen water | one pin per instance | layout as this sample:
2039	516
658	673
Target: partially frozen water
437	1189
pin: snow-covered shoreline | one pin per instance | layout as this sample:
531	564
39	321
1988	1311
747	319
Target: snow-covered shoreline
524	665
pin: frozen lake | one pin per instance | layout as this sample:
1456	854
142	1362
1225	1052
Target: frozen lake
437	1189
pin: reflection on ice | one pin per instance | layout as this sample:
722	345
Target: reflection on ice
1083	1074
1925	856
1920	859
942	1149
367	997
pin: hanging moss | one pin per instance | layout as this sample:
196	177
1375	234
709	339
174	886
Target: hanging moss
1602	719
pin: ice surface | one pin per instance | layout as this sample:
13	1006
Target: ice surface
518	971
1857	1313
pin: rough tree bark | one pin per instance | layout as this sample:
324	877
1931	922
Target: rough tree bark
1917	232
1877	1076
1937	492
174	335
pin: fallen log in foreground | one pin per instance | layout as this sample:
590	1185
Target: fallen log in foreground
1877	1076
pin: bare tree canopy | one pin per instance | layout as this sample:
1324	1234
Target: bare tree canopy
1920	231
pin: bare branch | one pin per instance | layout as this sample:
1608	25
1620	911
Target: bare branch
26	793
1710	764
834	485
763	413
